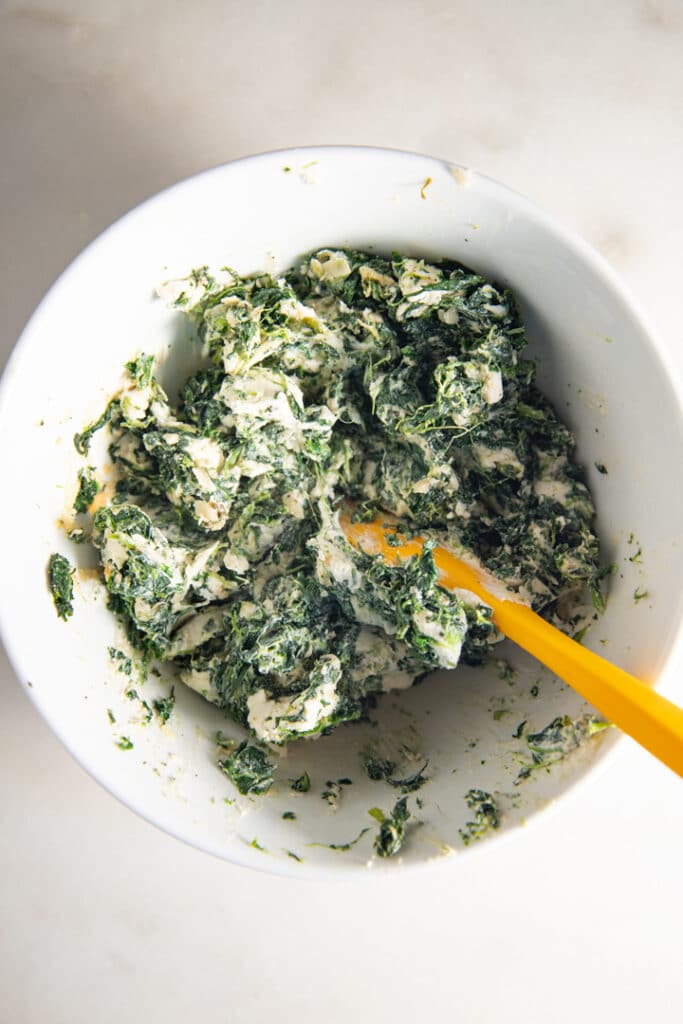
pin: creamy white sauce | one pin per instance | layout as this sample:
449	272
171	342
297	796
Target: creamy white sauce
205	453
370	276
135	403
196	630
271	718
115	552
369	616
557	490
492	390
295	503
210	513
491	458
295	310
201	683
235	563
416	276
447	651
448	316
379	655
330	265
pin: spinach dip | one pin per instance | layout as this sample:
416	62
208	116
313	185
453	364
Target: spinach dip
392	382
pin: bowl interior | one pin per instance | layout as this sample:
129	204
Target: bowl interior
596	363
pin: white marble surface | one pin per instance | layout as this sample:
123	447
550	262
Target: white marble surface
580	106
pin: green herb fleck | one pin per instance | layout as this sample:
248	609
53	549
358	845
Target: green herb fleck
640	595
598	598
289	815
124	743
60	577
486	815
87	489
580	634
381	769
294	856
332	793
141	370
224	741
391	835
601	468
344	846
110	716
123	662
302	784
164	706
519	730
82	440
378	769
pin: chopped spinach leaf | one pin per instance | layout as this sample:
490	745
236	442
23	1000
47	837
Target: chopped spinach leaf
164	706
82	440
332	793
392	830
486	815
344	846
123	663
88	487
248	769
556	741
382	770
60	578
302	784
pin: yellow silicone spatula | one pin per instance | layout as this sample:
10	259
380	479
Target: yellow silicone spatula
652	720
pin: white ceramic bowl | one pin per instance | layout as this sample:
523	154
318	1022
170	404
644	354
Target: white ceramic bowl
598	363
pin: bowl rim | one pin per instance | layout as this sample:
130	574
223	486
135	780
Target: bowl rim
562	234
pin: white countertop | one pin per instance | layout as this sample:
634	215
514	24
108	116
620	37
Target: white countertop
578	105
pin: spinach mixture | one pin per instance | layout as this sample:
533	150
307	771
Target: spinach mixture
390	383
394	383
